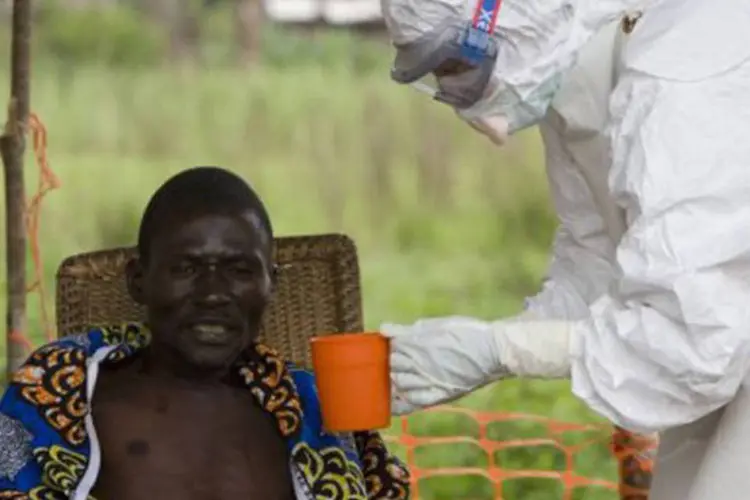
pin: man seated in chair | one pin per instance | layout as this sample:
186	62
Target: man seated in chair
194	408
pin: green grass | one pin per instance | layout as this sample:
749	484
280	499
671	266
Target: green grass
445	223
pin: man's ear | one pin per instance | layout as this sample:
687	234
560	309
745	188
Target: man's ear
274	276
134	274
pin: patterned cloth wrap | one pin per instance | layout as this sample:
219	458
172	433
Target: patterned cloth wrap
635	456
45	447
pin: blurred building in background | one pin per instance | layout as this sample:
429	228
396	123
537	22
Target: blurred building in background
329	12
183	22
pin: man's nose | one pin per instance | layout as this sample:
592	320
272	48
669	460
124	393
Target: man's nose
213	288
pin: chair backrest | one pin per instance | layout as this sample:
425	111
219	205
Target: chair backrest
318	292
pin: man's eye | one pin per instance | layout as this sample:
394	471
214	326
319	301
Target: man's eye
243	269
183	268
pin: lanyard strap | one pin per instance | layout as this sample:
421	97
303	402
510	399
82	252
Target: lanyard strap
485	15
477	37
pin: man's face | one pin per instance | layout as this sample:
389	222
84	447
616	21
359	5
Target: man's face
205	287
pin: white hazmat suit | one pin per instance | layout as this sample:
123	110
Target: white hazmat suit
646	306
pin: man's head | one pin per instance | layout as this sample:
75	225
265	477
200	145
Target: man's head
205	270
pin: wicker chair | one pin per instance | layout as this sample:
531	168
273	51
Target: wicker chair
318	292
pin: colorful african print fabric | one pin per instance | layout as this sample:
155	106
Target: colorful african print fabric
636	455
46	446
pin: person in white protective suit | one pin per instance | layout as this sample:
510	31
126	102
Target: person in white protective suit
646	306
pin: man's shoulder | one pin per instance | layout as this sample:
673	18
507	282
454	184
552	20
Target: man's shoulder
58	359
76	349
79	341
388	477
57	353
304	381
83	344
307	390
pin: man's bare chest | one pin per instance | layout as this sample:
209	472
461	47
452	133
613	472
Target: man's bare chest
175	445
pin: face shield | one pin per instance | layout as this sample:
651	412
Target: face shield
453	64
499	79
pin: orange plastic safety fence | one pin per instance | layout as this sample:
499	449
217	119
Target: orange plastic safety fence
633	453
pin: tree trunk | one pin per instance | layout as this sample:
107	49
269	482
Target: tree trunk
12	147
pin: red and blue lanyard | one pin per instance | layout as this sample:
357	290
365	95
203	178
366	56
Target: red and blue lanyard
478	33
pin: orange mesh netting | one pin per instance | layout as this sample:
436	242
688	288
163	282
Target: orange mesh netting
634	454
47	181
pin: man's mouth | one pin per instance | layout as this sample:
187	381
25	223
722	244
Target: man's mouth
211	333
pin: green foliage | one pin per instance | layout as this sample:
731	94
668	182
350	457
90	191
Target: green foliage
114	36
333	50
121	35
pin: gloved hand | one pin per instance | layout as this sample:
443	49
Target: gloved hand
433	362
436	361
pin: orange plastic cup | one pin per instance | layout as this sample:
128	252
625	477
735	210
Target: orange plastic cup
352	373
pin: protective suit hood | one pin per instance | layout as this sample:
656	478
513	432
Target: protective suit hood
657	39
536	40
